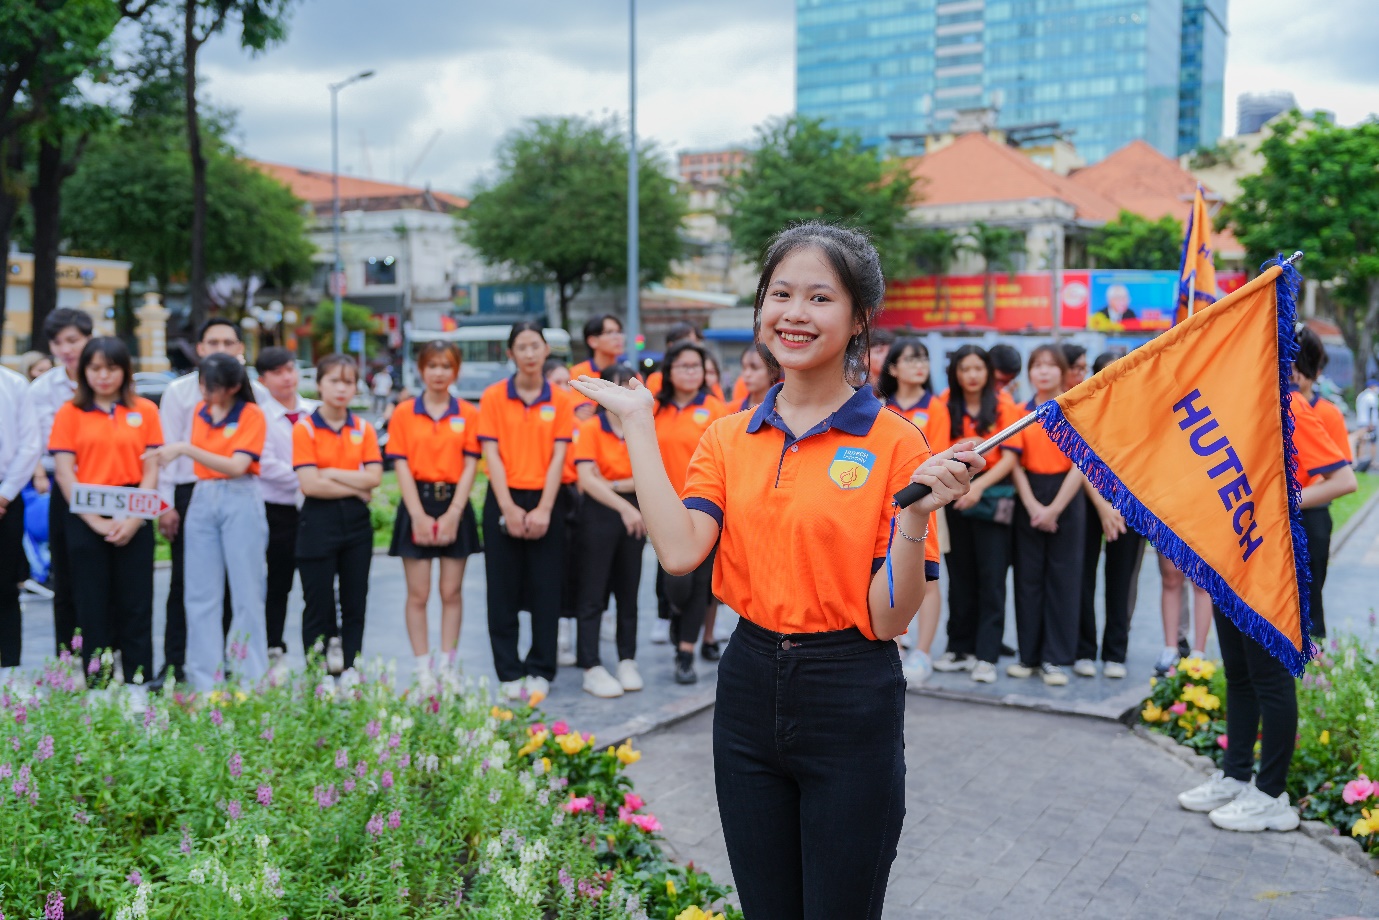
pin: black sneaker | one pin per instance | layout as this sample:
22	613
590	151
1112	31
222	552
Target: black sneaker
1007	651
710	651
684	668
1183	649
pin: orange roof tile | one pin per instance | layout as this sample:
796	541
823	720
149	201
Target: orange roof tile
315	188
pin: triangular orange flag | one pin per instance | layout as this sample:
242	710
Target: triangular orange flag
1196	270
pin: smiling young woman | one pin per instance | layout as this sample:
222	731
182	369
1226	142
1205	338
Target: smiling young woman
809	722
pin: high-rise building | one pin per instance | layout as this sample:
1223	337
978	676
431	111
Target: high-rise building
1252	110
1108	71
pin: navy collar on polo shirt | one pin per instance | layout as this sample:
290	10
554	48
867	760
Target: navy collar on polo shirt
606	425
319	421
698	400
923	403
855	417
231	417
419	408
543	398
94	407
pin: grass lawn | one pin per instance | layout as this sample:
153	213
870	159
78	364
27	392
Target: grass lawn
1343	508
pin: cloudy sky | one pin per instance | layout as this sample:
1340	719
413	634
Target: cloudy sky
464	73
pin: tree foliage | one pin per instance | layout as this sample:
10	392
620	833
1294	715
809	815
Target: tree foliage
555	211
800	170
1319	192
355	316
1134	242
998	248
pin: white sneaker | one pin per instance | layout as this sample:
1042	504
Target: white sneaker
349	679
1255	811
1196	653
1113	669
660	632
1167	659
950	661
537	685
1019	670
984	672
278	670
906	640
918	668
1219	790
512	689
1053	675
600	683
1084	667
335	656
629	676
32	587
564	645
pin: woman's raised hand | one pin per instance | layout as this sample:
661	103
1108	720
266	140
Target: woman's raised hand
619	400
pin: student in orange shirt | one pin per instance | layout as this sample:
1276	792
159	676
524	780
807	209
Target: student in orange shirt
433	441
978	522
226	528
1049	522
756	379
335	454
680	332
603	336
103	438
881	342
684	410
808	726
525	428
1076	356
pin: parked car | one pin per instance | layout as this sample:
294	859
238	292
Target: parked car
152	384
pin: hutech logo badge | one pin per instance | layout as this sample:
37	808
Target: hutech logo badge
850	467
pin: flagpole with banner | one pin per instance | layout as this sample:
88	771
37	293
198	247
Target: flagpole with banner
1196	270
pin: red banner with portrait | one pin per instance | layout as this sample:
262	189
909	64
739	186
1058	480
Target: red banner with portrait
1021	302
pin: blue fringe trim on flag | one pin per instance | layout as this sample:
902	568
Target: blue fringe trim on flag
1143	521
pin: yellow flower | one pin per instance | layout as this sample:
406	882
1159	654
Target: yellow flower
545	764
500	713
1210	701
535	699
241	696
571	743
1203	718
1366	825
533	743
696	913
1151	712
1325	736
670	887
627	755
1153	681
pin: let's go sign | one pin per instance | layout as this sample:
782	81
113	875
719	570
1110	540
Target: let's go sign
117	502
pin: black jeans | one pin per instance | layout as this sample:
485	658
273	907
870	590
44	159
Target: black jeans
282	566
688	597
1048	577
335	541
1317	523
809	765
114	596
1123	557
13	566
175	627
518	571
977	561
609	560
1258	687
59	569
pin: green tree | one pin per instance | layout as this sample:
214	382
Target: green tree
998	248
1319	192
1131	241
555	212
933	252
800	170
356	316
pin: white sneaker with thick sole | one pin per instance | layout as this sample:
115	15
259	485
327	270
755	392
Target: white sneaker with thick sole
1020	671
660	632
918	667
512	689
1254	811
537	685
1053	675
1167	659
949	662
1084	667
984	672
335	656
32	587
600	683
1219	790
1113	669
629	676
564	645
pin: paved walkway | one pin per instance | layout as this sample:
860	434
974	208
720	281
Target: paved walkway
1013	813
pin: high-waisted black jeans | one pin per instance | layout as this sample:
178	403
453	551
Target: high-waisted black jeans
809	763
1261	703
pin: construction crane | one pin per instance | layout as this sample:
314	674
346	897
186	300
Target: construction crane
426	148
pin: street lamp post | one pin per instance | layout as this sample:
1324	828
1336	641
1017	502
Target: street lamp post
633	273
337	276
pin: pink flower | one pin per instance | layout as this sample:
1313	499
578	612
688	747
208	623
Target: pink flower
52	910
216	718
387	781
578	804
76	642
93	666
633	801
362	768
372	728
20	714
45	749
326	796
1221	740
375	825
560	728
134	878
647	823
394	819
1178	708
1357	790
383	757
236	765
342	759
265	795
536	727
404	761
186	845
232	808
267	734
394	740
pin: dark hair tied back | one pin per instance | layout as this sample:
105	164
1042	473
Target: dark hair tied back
224	372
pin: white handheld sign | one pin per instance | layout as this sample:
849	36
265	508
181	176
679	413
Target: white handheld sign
117	502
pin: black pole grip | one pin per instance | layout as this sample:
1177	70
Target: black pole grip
911	494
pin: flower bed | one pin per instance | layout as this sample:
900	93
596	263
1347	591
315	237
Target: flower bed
306	800
1338	731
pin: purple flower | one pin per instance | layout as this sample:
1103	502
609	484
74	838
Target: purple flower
20	715
14	743
21	785
394	819
349	785
404	761
216	718
150	716
326	796
76	642
493	796
566	882
362	768
236	765
134	878
186	846
342	759
375	825
394	740
265	795
232	808
45	749
267	734
383	757
52	910
387	780
372	728
5	771
93	666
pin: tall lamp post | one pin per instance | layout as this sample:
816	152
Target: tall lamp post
634	323
338	276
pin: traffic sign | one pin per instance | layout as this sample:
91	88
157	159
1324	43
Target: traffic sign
357	340
117	502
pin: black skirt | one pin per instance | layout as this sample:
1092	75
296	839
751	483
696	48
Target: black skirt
466	537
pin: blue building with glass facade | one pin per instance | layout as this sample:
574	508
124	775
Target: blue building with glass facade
1108	71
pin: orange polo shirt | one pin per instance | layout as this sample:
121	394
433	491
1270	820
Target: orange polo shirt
1038	453
1007	413
1317	453
653	383
434	448
805	521
315	443
678	432
597	444
568	474
526	434
107	445
241	431
1334	423
739	390
930	416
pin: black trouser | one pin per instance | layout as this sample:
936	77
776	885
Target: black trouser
1258	686
609	560
282	565
688	597
569	591
59	572
13	565
175	628
1123	557
334	541
977	560
114	596
509	565
1048	577
1317	523
809	764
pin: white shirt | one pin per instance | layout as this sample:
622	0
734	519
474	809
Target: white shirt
277	480
1367	408
175	410
19	443
382	383
50	392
